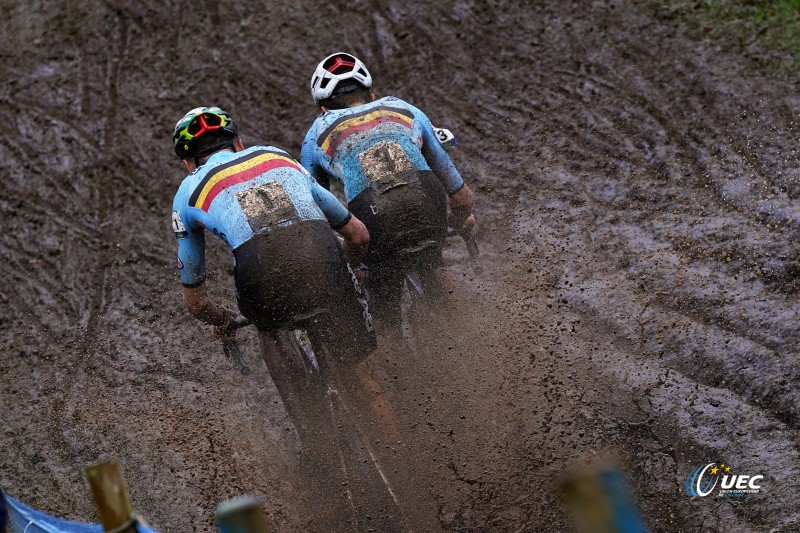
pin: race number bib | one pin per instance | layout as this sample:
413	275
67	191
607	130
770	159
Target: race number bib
177	226
266	206
445	137
385	164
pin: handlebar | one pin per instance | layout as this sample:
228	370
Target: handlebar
231	349
240	322
465	232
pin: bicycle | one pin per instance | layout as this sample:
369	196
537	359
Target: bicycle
311	375
313	380
415	264
418	280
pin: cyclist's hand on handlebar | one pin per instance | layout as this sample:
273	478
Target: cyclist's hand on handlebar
465	220
228	331
460	217
224	334
461	207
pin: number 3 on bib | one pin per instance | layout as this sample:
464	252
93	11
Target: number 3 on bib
445	137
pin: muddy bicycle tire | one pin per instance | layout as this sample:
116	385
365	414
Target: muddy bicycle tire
341	469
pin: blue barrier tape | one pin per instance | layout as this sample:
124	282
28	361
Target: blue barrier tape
24	519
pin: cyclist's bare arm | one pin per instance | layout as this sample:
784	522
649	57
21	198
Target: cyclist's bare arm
206	310
356	238
461	206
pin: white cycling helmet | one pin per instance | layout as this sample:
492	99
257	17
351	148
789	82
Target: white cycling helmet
340	71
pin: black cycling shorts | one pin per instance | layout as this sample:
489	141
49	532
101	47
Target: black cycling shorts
403	217
297	272
408	217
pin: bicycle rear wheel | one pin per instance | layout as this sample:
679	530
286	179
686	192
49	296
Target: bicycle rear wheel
376	505
341	471
302	387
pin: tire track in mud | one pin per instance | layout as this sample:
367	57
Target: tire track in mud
710	310
590	139
104	186
683	418
681	136
589	146
747	331
744	388
67	408
24	107
34	254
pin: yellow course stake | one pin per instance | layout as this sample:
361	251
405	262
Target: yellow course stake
111	497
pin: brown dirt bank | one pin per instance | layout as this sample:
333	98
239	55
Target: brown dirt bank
638	195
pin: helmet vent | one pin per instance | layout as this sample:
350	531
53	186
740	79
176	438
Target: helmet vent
339	73
340	64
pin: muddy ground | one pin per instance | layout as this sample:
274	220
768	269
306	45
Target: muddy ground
638	200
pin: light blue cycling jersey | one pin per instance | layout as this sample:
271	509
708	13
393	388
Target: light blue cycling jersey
236	195
367	143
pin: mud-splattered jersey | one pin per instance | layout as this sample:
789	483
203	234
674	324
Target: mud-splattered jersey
371	143
236	195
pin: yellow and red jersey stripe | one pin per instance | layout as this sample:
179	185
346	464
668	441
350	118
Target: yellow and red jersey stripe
237	171
366	120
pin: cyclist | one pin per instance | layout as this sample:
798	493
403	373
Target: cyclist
277	220
393	170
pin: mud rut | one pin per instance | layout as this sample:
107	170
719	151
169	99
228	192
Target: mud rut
638	199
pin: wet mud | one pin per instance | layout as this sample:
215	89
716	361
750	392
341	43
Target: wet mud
637	197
